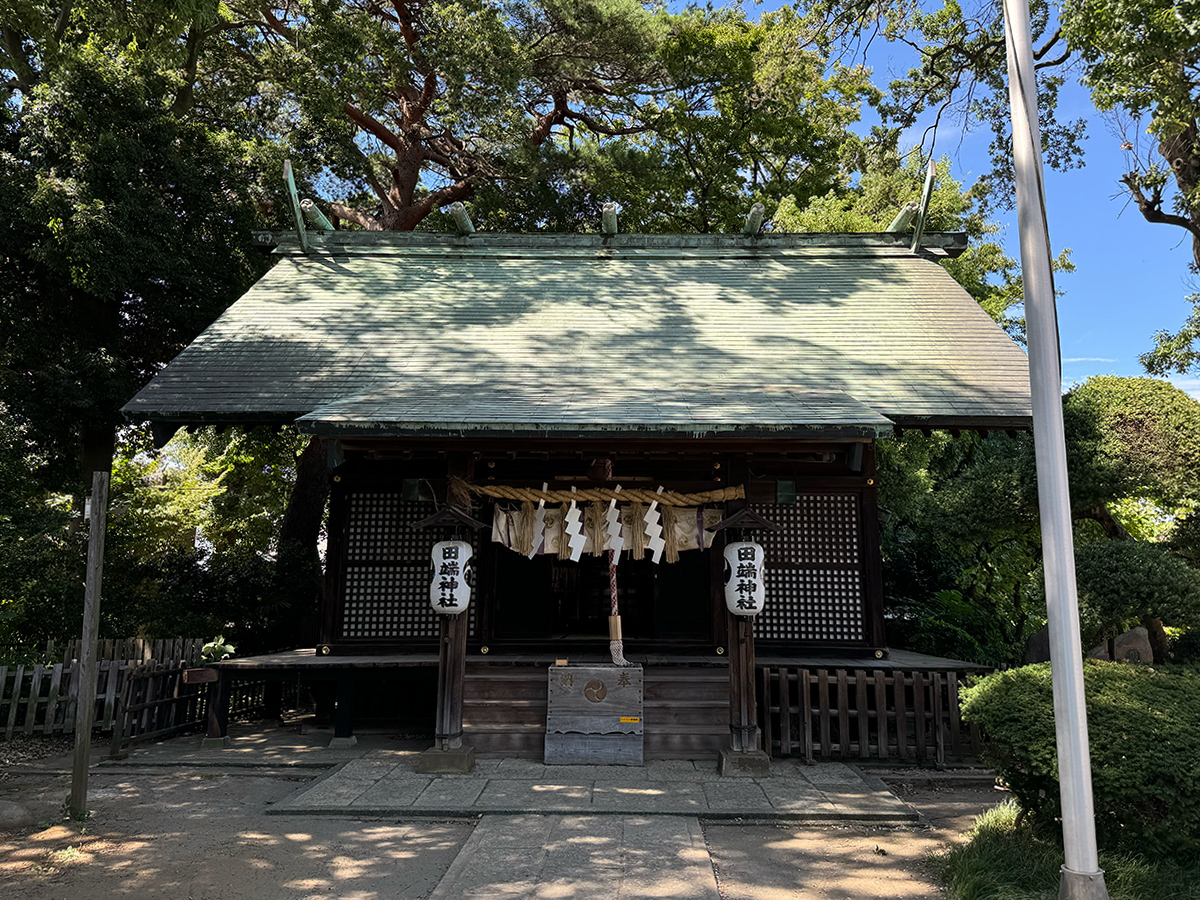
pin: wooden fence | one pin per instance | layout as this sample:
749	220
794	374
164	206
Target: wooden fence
156	703
140	694
906	716
41	699
134	650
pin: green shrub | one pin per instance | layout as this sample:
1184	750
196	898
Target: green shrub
1000	861
1143	727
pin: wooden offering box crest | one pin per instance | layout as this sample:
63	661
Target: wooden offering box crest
594	715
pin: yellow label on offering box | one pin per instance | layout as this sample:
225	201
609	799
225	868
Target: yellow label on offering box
630	719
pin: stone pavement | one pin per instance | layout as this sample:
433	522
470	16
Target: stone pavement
386	783
618	857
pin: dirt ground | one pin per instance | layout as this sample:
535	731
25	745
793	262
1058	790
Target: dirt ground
850	862
200	834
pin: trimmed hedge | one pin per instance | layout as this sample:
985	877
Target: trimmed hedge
1144	733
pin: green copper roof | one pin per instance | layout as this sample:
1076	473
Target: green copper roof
398	334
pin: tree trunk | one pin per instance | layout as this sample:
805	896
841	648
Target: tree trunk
1158	638
298	585
1112	528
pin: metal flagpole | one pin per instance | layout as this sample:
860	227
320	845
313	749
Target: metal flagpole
1082	878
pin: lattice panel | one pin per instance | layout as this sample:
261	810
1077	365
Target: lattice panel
812	605
385	588
378	528
820	530
814	570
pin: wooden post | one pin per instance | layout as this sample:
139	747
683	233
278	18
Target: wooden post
743	726
744	756
343	713
449	754
86	671
217	735
452	671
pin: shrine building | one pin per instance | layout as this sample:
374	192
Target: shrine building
592	421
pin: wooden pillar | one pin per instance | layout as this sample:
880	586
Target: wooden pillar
217	735
872	558
85	671
744	756
743	708
448	753
343	714
452	673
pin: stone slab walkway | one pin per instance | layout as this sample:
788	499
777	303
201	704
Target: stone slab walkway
618	857
386	783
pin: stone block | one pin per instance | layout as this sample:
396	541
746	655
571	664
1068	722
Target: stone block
14	816
1132	646
447	762
744	764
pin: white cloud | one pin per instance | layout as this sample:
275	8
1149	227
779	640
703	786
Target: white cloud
1081	359
1191	385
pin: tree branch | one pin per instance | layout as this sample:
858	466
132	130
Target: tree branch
187	92
1152	211
1113	529
64	19
373	126
24	74
1050	42
369	173
1057	61
357	216
404	21
599	128
276	25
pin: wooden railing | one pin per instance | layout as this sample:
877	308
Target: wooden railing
845	714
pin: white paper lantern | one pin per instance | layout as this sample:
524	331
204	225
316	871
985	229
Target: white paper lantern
450	591
745	592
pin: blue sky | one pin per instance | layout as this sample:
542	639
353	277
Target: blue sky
1131	277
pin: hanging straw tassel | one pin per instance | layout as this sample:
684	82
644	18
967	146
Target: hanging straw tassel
637	530
593	523
616	647
564	544
671	550
458	494
523	538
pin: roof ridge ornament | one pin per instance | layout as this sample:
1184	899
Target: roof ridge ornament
754	220
315	217
904	218
923	214
462	221
608	219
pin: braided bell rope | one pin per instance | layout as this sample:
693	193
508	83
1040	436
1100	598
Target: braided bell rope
603	495
616	648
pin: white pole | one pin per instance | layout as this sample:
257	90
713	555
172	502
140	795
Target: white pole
1082	878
